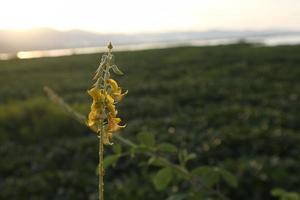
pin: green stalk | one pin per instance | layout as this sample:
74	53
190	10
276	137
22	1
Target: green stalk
101	165
101	141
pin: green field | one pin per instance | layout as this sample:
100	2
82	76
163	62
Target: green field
235	106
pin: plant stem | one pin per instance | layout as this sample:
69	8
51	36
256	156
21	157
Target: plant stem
101	165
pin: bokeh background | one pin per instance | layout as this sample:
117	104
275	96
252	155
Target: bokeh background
219	78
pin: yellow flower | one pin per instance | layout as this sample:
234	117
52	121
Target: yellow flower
109	99
116	90
113	124
96	94
96	107
93	118
111	108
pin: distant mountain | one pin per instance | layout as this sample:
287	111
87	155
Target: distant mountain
41	39
12	41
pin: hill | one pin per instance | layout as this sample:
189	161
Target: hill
12	41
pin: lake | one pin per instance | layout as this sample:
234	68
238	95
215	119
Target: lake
267	41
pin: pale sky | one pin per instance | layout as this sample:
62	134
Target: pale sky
140	16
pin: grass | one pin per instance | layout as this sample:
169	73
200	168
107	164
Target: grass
236	106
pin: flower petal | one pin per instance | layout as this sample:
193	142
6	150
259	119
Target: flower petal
96	94
113	84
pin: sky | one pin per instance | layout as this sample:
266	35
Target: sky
144	16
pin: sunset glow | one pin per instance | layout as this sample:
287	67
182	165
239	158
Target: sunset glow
136	16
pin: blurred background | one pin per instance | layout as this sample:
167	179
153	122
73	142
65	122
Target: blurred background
218	78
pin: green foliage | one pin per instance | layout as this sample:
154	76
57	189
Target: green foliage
184	157
162	178
176	173
111	160
146	138
210	176
155	162
229	178
117	148
236	107
167	147
284	195
177	197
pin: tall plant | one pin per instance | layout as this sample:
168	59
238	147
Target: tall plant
103	115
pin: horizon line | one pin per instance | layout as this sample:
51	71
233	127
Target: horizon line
278	29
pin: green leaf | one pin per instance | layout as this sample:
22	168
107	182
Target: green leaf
162	179
166	147
110	160
132	152
285	195
191	156
155	162
116	70
177	197
117	148
209	175
146	138
142	149
277	192
181	157
292	196
229	178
